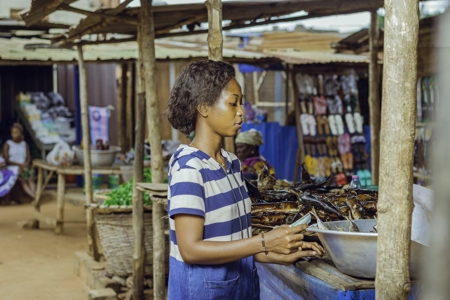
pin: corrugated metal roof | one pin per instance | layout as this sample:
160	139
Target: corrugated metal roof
12	50
309	57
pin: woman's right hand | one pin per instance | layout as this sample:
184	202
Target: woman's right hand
2	165
284	239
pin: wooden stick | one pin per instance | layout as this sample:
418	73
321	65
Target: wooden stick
87	154
148	76
138	202
301	150
121	108
60	203
374	97
287	88
37	202
39	188
129	106
398	126
215	38
118	19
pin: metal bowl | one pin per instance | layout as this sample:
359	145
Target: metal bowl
99	158
355	253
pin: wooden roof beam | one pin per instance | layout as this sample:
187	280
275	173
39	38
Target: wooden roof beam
125	19
40	9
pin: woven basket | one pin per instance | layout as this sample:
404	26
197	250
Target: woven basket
115	229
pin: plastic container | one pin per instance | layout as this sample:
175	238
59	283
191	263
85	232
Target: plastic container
355	184
113	181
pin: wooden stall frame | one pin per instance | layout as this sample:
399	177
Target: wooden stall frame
396	149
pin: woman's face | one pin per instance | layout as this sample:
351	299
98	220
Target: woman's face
225	117
244	151
16	134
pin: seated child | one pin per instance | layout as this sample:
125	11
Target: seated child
17	153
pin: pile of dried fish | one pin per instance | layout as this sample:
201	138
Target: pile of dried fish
276	202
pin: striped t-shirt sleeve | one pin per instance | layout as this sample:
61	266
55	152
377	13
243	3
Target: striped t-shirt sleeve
187	192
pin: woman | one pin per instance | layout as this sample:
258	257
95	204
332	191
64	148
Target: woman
8	177
247	150
212	249
17	153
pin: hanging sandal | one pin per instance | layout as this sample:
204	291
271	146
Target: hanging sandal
311	124
321	167
320	104
314	167
358	122
339	125
350	123
304	123
332	122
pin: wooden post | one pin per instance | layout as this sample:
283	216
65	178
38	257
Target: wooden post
60	191
87	154
215	38
300	151
138	202
39	192
397	148
374	97
146	32
129	105
437	267
121	109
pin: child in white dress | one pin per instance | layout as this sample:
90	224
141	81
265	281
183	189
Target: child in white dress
17	153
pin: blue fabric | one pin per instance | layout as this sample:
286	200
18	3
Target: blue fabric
280	146
280	282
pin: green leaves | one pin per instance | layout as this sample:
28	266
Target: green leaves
123	194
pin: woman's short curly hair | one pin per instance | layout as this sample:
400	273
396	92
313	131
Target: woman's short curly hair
200	82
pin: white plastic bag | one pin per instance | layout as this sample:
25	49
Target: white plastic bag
61	153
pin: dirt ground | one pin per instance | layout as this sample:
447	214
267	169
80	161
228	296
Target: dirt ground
36	263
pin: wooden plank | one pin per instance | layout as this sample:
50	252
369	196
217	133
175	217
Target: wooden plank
93	250
157	187
60	204
325	270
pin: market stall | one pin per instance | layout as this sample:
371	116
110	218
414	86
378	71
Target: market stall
156	167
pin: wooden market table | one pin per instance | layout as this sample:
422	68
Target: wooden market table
61	171
316	279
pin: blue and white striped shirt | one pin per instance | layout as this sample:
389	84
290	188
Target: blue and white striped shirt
199	186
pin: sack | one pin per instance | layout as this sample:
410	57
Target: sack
61	154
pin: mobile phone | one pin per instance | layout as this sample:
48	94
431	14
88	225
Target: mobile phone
303	220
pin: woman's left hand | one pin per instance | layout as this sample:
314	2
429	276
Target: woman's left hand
311	249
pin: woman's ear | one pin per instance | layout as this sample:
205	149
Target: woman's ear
203	110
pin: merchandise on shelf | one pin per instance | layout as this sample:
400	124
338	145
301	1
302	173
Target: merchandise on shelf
332	126
48	116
